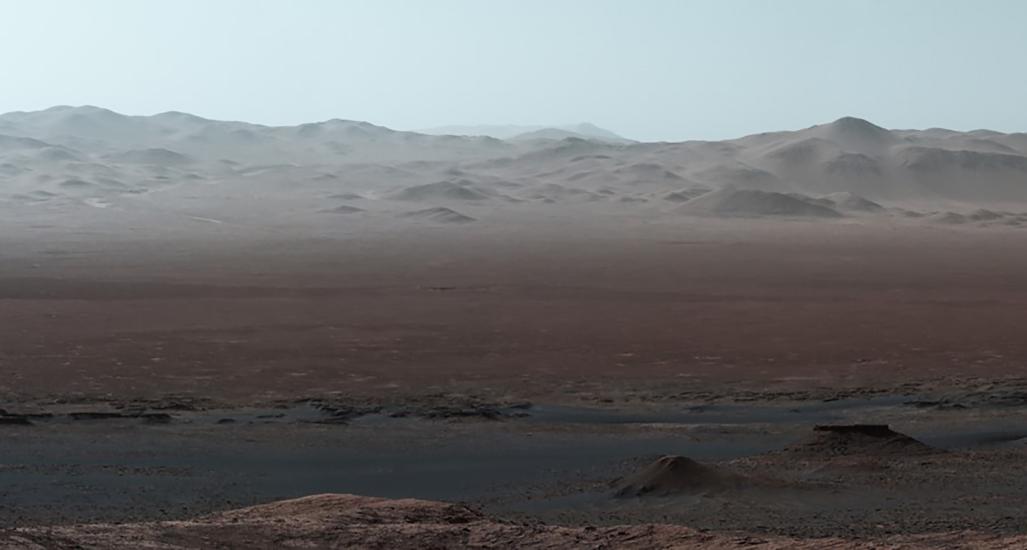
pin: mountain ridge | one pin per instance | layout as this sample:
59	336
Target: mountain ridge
102	151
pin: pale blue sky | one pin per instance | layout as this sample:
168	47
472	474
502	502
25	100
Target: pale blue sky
649	69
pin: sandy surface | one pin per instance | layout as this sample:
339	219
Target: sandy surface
154	378
346	521
510	312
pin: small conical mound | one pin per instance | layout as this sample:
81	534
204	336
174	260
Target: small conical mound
984	215
439	214
685	195
346	196
157	156
677	475
874	440
342	209
732	202
852	202
442	190
855	135
950	218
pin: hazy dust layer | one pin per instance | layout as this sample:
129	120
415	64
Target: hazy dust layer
521	310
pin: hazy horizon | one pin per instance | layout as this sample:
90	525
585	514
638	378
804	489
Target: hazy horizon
666	70
486	129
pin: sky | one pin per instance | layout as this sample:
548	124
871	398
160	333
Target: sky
647	69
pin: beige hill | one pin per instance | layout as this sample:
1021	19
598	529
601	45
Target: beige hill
177	164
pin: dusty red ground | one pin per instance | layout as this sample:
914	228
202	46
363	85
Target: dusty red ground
526	312
348	521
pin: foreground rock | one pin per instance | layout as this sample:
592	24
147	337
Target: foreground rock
348	521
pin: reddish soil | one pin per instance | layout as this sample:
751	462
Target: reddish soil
347	521
527	312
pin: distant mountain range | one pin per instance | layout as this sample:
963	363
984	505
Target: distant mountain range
849	167
584	130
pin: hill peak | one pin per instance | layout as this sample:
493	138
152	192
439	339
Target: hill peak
851	123
854	135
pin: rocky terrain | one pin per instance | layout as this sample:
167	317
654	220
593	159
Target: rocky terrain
551	338
347	521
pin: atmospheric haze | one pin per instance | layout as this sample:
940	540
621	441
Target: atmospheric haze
497	274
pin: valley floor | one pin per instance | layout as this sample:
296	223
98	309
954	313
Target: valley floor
518	369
